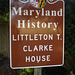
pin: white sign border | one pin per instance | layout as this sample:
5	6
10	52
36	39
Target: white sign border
63	41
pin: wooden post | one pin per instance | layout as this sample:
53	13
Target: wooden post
37	71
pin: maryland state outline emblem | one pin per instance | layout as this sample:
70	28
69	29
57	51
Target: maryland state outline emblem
38	3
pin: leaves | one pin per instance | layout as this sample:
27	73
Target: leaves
1	57
27	71
4	10
71	73
4	7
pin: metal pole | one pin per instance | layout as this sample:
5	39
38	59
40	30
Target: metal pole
37	71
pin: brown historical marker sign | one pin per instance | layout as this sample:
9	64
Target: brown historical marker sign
36	33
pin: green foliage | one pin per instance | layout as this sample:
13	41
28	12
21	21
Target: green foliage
1	57
27	71
4	17
70	34
4	9
71	73
23	73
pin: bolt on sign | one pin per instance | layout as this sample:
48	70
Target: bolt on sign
36	33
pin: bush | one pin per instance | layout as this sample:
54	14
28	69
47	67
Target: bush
28	71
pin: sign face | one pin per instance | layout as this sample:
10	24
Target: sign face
36	33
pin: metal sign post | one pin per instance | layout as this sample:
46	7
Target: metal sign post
37	71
